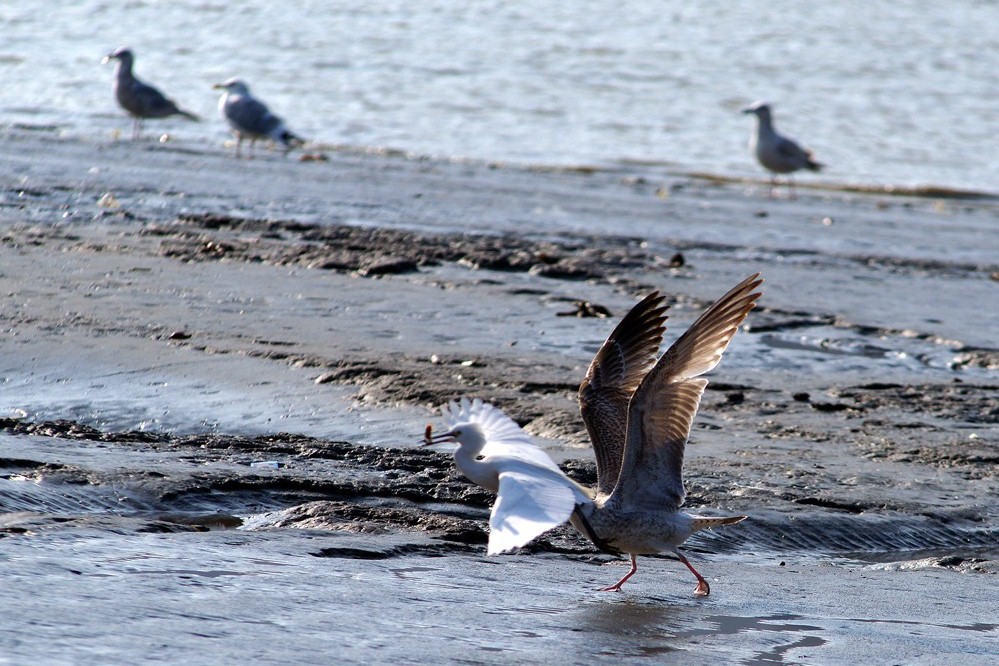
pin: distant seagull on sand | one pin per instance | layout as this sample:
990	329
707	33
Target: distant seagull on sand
250	118
638	412
141	100
778	154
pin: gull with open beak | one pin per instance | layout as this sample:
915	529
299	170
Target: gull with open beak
532	494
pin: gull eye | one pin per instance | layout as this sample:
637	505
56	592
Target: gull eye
456	433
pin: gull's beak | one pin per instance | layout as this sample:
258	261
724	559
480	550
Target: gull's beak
429	439
219	86
749	109
106	59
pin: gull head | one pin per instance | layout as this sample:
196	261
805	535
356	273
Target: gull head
234	86
759	109
467	436
122	53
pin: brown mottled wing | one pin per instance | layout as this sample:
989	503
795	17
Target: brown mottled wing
665	403
613	375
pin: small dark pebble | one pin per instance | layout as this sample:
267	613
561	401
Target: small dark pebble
736	398
801	397
179	335
677	260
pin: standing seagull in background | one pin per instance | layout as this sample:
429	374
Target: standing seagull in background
250	118
638	412
141	100
777	154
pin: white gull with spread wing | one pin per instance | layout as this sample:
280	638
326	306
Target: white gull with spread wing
532	494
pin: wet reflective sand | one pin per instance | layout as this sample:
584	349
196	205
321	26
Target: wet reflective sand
209	397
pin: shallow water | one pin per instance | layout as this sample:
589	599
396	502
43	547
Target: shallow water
268	597
112	547
184	393
900	93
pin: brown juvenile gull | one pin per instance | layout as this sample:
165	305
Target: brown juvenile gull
638	412
777	153
249	117
139	99
639	419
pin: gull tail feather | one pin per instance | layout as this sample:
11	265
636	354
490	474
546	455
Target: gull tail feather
707	522
188	115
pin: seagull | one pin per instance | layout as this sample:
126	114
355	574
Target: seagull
250	118
139	99
533	494
775	152
638	412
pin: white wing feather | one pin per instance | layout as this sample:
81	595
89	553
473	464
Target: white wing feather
527	506
533	495
503	436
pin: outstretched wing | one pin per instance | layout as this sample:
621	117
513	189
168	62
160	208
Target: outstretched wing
503	435
666	402
527	506
533	495
613	375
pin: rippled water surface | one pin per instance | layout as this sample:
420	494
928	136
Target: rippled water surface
898	92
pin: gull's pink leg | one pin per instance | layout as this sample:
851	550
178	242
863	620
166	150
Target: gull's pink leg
616	587
702	589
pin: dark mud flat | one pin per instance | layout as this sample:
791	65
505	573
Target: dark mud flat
212	382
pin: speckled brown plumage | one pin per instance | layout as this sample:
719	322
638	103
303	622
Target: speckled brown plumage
612	378
663	407
639	420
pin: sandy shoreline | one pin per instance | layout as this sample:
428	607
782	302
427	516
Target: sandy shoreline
172	316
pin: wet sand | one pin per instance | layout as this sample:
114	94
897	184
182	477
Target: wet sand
214	374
